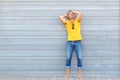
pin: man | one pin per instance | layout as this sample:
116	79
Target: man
73	26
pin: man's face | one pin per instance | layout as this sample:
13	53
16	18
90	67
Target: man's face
71	15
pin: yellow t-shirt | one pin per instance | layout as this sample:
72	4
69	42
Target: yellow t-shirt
73	34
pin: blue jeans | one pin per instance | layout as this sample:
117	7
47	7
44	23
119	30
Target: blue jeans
71	46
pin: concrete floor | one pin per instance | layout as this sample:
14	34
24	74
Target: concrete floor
22	77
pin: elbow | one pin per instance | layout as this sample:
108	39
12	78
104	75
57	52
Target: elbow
80	13
59	17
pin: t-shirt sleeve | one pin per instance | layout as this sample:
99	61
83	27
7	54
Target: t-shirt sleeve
66	22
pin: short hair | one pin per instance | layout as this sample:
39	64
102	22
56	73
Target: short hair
68	13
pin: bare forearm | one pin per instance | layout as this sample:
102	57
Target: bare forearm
63	16
76	12
79	15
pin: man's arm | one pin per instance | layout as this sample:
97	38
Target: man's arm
62	18
79	15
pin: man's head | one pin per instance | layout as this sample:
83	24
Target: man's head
70	14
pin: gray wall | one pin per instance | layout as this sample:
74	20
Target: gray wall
33	40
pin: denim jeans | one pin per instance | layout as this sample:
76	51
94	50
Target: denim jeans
71	46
